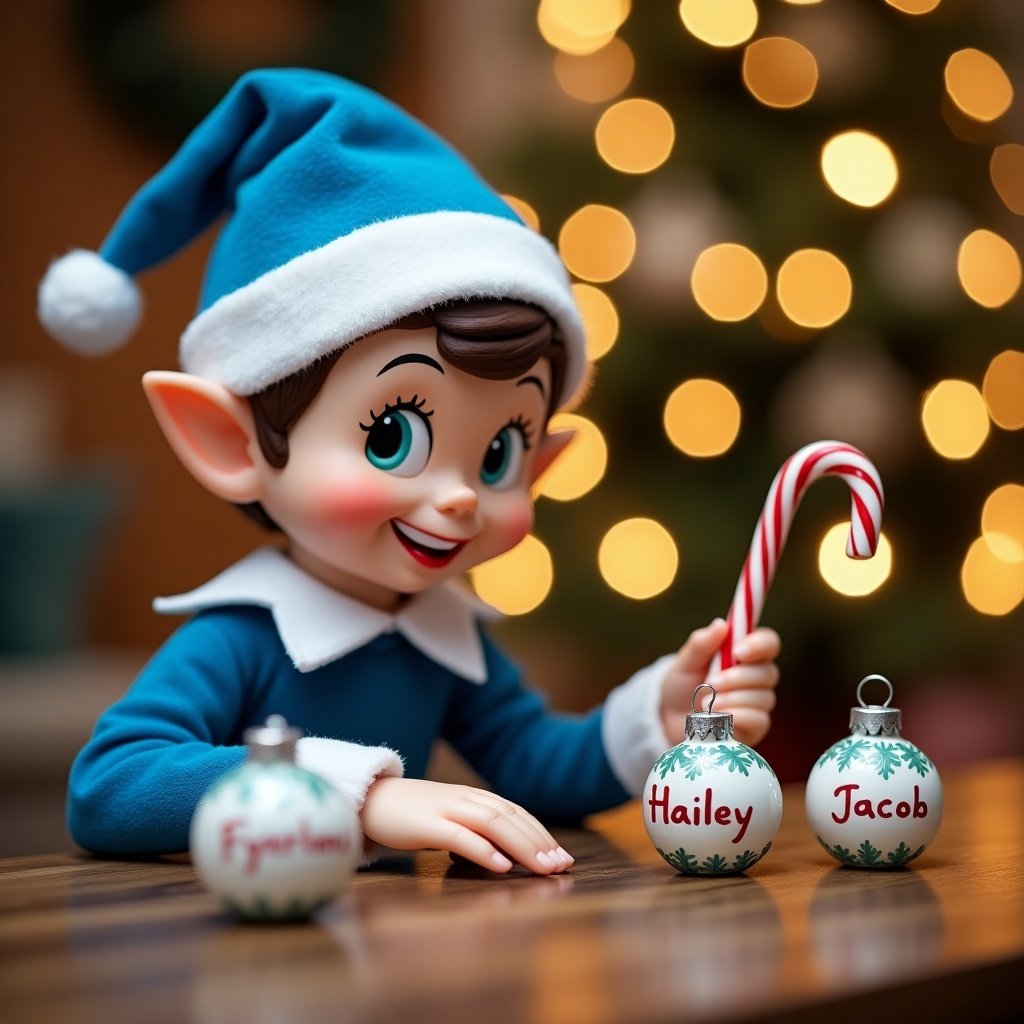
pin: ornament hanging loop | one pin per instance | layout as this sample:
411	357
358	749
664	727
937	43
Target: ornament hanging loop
871	678
711	703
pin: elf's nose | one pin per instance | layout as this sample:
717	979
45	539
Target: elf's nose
457	498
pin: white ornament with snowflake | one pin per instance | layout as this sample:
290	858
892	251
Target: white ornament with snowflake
711	805
274	841
874	800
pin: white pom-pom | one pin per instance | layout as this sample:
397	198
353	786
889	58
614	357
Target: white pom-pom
87	304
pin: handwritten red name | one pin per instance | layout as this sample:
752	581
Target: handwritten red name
884	808
703	811
254	849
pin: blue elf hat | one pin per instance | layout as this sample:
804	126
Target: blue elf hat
343	213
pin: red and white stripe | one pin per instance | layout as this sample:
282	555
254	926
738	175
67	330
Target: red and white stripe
798	472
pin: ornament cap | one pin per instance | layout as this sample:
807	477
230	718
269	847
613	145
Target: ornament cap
273	741
701	724
875	719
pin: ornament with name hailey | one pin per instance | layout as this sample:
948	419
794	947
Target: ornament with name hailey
711	805
274	841
874	800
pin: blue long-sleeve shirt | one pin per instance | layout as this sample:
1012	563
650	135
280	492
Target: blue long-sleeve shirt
135	785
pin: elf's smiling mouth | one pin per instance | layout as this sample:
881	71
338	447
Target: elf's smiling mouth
427	548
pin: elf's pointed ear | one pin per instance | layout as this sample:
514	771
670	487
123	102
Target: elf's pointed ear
210	429
550	447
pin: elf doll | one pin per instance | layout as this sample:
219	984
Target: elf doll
379	347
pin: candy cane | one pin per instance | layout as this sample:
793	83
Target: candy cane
798	472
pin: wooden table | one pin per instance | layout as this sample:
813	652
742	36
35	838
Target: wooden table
620	938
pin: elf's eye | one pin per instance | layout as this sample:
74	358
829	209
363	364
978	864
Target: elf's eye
399	440
503	458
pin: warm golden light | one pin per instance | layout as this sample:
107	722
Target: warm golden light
978	85
955	419
989	268
580	26
702	418
814	288
525	211
600	319
914	6
1003	390
597	243
635	136
517	581
780	72
1002	522
1006	168
850	576
729	282
638	558
719	22
596	77
991	584
579	468
859	167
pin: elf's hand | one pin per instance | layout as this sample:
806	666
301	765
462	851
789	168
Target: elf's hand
746	690
414	814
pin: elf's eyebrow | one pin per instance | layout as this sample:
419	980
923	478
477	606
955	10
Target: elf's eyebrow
412	357
533	380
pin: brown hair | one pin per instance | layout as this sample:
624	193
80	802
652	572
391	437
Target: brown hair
495	340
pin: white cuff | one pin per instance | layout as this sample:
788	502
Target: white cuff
631	729
350	768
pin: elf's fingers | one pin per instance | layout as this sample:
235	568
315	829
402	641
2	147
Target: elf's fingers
700	647
762	644
763	675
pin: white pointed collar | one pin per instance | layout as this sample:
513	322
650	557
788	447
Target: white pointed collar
318	624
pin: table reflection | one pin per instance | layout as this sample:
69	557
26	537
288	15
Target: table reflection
871	926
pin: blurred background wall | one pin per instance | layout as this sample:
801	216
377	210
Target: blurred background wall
787	222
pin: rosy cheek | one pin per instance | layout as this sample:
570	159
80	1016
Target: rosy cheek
361	498
513	523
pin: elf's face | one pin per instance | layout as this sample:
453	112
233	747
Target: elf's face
405	470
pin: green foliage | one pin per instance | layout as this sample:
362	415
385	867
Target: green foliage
886	759
715	865
850	750
681	758
681	861
736	759
745	859
868	856
915	759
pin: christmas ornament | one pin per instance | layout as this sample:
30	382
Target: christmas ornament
712	806
798	472
874	800
272	840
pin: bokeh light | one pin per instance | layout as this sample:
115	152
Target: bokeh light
580	26
597	243
814	288
991	584
720	23
635	135
914	6
779	72
517	581
524	209
581	466
955	419
1002	522
1006	168
596	77
978	85
852	577
1003	389
859	167
729	282
702	418
989	268
600	319
638	558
